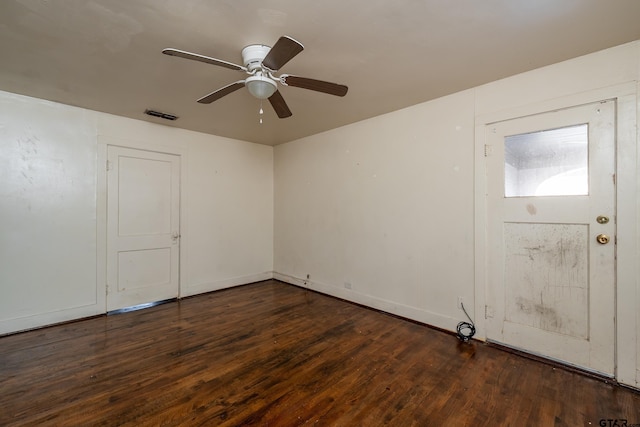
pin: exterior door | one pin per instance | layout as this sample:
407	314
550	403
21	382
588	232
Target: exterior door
143	207
551	235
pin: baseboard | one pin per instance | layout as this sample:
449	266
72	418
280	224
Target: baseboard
223	284
408	312
39	320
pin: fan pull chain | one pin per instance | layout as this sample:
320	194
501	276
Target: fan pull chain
261	112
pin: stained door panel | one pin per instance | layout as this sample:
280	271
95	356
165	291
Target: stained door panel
546	267
550	287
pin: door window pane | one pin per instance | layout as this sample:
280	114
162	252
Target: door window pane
547	163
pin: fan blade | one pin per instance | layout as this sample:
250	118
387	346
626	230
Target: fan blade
282	52
278	104
202	58
213	96
312	84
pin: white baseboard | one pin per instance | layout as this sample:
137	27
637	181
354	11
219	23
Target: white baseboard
402	310
40	320
223	284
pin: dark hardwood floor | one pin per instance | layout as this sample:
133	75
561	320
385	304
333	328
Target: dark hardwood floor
272	354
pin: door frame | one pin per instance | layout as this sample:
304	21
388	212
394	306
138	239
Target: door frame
626	270
101	209
517	319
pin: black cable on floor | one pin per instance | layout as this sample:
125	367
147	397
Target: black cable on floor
466	330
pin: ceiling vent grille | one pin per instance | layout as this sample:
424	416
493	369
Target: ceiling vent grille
161	115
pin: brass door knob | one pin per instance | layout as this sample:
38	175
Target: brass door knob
603	239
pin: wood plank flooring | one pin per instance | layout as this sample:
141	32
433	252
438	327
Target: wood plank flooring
272	354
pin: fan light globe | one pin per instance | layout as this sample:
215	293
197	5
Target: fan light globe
261	87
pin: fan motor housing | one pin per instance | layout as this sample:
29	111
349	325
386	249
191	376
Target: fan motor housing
253	55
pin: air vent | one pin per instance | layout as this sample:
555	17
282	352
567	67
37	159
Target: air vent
161	115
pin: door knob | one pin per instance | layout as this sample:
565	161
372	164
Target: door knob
175	237
603	239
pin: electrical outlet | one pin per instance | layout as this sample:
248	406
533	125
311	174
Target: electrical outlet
460	302
347	285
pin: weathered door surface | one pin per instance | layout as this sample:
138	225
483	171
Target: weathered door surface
551	234
143	207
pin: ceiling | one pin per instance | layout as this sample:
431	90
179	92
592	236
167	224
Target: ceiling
105	55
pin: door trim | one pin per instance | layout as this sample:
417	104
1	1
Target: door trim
101	209
545	304
627	363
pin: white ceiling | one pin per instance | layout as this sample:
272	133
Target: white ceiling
105	55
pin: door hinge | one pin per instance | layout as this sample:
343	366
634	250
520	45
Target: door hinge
108	165
488	149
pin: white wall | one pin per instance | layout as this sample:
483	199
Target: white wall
227	201
52	208
384	206
389	212
47	211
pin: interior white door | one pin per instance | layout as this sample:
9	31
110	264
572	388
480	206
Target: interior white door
551	235
143	227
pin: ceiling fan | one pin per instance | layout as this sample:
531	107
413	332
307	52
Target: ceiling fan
261	62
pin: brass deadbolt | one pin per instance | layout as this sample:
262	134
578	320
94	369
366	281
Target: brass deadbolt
602	219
